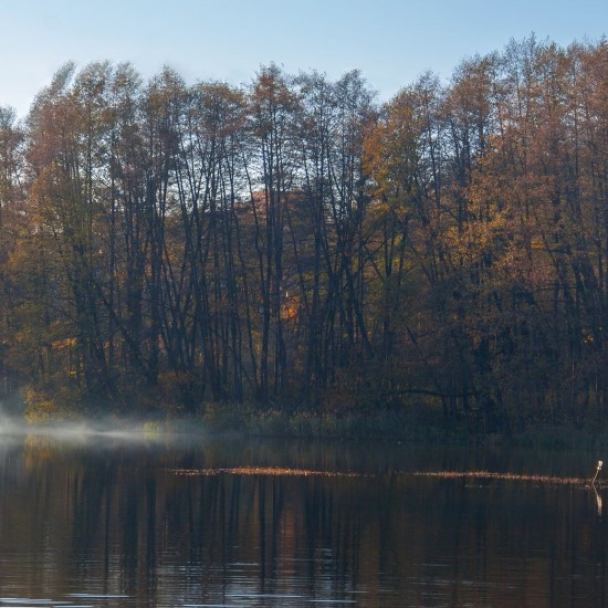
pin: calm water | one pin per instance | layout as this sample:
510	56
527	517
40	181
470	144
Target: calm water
98	520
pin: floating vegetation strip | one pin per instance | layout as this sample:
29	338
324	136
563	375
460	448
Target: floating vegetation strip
476	475
488	475
274	471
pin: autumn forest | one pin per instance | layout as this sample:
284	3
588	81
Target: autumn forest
295	244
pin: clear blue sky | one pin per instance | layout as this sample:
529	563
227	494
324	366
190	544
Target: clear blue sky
391	41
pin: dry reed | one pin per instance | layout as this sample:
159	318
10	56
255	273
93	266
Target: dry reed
270	471
489	475
476	475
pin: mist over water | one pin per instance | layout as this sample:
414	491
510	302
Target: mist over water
98	428
128	512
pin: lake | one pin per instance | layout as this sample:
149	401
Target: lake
113	519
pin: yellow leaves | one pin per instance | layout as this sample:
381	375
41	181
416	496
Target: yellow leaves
291	307
390	158
39	408
64	343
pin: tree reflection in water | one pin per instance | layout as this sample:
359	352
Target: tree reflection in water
284	524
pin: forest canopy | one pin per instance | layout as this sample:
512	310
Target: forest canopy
294	241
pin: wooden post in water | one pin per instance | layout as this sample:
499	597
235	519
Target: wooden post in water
597	471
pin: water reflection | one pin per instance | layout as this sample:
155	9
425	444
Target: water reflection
598	500
101	521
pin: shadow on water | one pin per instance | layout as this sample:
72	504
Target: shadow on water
127	515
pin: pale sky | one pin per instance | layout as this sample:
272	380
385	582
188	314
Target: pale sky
391	41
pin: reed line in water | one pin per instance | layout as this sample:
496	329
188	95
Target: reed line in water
272	471
489	475
295	472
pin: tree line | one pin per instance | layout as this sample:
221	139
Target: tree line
295	243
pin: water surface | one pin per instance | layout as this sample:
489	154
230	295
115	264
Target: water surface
102	520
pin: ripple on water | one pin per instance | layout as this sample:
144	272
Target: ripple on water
99	596
22	601
25	602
